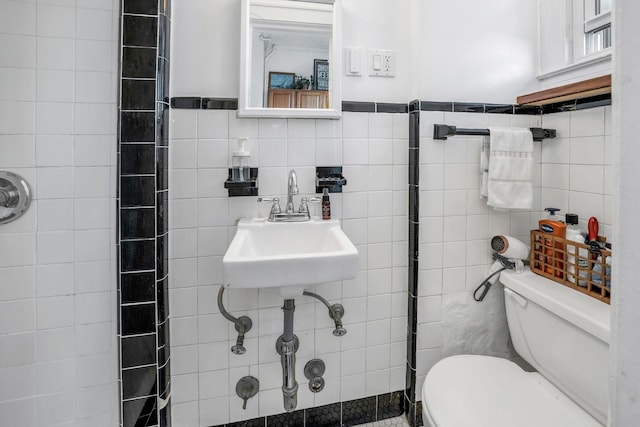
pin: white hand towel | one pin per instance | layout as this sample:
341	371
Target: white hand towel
484	168
510	168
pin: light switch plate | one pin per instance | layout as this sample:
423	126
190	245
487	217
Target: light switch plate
354	61
381	63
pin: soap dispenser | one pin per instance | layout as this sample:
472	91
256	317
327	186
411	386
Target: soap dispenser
240	171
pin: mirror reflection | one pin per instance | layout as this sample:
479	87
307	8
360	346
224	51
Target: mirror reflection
288	63
290	69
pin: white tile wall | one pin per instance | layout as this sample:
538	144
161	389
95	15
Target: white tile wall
370	358
577	169
58	354
572	172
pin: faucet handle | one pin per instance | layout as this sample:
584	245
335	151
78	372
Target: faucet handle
275	207
304	207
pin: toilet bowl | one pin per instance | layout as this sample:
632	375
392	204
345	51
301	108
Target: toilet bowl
562	333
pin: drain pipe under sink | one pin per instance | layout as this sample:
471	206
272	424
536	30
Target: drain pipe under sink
287	345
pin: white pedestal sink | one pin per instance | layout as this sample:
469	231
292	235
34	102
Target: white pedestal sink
288	255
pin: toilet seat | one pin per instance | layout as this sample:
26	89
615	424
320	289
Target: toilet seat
483	391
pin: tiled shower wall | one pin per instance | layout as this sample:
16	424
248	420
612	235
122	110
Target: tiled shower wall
370	359
572	172
58	353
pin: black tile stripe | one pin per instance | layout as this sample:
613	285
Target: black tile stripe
137	287
137	126
413	253
468	107
382	107
358	107
139	382
528	110
140	412
138	223
219	103
139	62
577	104
186	102
138	94
141	7
142	221
139	30
499	108
209	103
138	350
436	106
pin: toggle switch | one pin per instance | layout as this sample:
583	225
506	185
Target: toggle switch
382	63
377	62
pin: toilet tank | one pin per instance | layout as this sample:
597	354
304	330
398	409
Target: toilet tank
562	333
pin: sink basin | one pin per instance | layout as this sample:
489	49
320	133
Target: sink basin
288	255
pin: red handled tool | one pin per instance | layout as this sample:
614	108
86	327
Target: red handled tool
593	229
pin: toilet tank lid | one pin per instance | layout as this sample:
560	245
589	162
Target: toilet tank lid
585	312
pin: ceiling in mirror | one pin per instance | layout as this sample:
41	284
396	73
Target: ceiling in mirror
288	58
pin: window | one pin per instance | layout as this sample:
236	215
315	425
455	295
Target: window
597	25
574	34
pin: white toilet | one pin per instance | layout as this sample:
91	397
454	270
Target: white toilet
562	333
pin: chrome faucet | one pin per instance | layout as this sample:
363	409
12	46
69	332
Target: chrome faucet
292	188
289	214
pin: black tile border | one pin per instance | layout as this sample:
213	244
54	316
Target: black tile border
383	107
358	107
186	102
577	104
348	413
209	103
413	217
219	103
468	107
213	103
142	241
436	106
499	108
527	110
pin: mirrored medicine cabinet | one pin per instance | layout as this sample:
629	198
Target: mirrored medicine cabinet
290	60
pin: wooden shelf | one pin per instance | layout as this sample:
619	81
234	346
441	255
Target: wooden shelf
583	89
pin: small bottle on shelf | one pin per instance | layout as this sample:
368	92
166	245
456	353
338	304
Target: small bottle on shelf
326	204
577	258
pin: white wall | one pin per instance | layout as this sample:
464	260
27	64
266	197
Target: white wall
206	44
379	24
625	347
477	51
58	349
